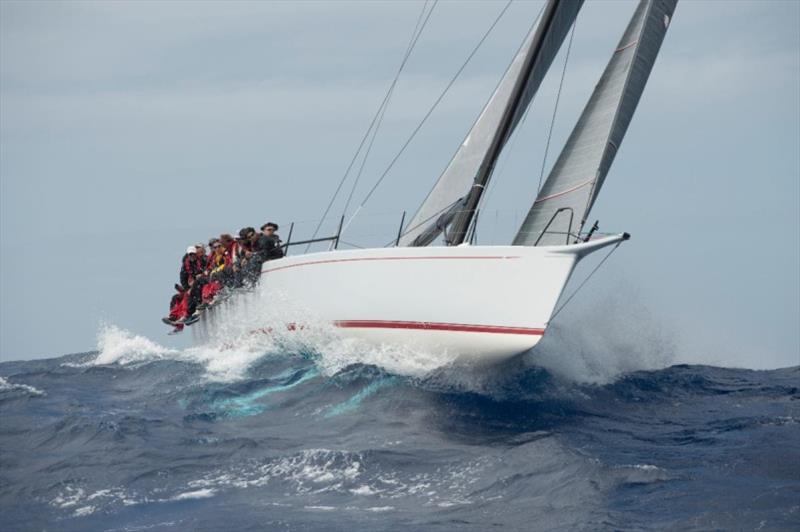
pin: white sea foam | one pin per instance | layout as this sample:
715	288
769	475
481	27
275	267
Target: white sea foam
197	494
309	471
84	511
363	490
646	467
316	471
6	386
76	497
118	346
70	496
76	500
371	486
339	352
221	362
640	474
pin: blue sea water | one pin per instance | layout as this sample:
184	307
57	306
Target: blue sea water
140	437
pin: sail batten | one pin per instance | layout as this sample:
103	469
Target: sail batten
580	170
454	196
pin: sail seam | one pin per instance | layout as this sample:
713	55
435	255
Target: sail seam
633	43
557	194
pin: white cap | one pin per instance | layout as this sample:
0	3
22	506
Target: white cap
191	249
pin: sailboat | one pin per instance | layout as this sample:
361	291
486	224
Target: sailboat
486	303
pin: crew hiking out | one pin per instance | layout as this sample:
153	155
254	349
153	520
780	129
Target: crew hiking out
230	265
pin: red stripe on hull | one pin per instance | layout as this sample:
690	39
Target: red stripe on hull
360	259
428	326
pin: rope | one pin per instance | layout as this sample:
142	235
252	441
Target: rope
386	105
555	108
584	282
414	37
430	111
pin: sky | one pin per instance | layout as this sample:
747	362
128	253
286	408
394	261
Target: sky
129	130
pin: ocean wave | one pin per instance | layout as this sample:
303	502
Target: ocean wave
140	434
9	388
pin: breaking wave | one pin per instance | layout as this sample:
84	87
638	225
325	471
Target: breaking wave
230	357
9	388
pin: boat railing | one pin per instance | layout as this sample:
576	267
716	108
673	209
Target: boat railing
333	239
385	229
552	218
372	231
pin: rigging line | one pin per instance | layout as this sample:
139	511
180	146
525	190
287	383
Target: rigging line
555	107
485	198
488	195
414	37
364	159
422	222
583	283
385	107
430	111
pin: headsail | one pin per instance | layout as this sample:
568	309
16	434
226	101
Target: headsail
473	162
579	172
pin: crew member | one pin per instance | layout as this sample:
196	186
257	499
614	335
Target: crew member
269	243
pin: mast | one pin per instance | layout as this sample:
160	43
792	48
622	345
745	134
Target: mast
456	194
514	109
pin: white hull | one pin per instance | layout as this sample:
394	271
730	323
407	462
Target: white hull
478	302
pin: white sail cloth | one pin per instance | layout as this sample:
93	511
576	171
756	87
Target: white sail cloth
459	176
581	168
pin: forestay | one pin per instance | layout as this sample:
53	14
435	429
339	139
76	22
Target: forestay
581	168
474	160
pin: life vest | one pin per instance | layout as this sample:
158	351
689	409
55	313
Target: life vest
192	267
217	263
179	306
230	253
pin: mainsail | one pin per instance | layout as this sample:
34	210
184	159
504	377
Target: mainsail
572	186
456	193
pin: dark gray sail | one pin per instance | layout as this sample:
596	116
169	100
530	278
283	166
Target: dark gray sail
456	193
572	186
